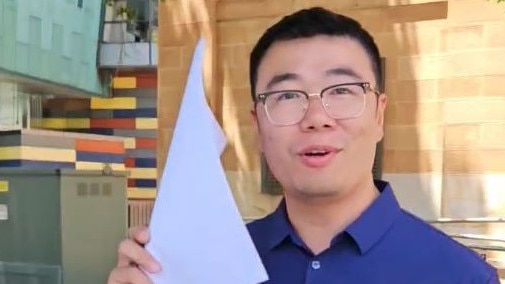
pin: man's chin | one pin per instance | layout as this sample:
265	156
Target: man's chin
318	192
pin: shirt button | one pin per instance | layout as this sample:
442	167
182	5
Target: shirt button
316	264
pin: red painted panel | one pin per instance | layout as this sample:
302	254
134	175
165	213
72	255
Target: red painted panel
113	123
147	81
130	162
145	143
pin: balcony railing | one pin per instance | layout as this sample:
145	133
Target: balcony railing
128	44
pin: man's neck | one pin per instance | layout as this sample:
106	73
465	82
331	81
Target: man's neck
317	221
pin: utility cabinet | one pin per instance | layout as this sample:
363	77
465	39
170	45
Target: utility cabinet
60	226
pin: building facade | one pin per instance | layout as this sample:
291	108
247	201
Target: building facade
46	54
85	67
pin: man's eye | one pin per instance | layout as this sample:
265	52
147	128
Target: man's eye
344	91
341	91
288	96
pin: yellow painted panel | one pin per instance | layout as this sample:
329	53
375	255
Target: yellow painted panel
36	122
113	103
10	153
78	123
47	154
129	143
54	123
98	166
4	186
146	123
124	83
65	123
149	173
141	193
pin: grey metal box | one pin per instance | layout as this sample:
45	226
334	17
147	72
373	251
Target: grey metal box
69	219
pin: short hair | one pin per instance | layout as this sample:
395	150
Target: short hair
311	22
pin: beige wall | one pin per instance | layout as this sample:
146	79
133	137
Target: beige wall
445	128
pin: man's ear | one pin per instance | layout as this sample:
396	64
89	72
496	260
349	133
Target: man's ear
379	118
254	117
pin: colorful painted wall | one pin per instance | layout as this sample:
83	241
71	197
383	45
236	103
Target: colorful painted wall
42	149
131	113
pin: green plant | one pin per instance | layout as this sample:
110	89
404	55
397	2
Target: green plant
127	13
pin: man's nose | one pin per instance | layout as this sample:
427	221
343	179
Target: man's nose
316	116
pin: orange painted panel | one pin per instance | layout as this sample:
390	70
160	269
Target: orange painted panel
97	146
145	143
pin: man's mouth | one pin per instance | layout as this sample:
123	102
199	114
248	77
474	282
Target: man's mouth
316	153
317	150
317	156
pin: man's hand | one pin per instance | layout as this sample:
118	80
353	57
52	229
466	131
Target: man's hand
132	257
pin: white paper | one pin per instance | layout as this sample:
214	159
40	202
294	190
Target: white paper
197	233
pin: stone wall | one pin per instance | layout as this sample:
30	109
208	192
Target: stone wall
445	71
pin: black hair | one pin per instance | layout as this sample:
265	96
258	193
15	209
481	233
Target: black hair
308	23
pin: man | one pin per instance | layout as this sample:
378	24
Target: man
319	112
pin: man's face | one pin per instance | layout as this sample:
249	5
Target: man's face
319	156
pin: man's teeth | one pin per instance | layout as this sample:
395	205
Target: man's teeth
317	152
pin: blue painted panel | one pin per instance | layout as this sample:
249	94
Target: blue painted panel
46	165
99	157
145	162
134	113
27	164
10	163
145	183
140	153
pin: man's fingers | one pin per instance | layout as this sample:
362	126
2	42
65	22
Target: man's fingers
128	275
130	252
133	258
139	235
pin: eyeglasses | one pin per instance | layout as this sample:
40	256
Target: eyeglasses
342	101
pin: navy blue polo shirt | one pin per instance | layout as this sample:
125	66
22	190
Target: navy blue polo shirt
386	244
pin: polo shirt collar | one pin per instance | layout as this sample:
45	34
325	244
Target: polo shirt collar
376	220
366	231
280	227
